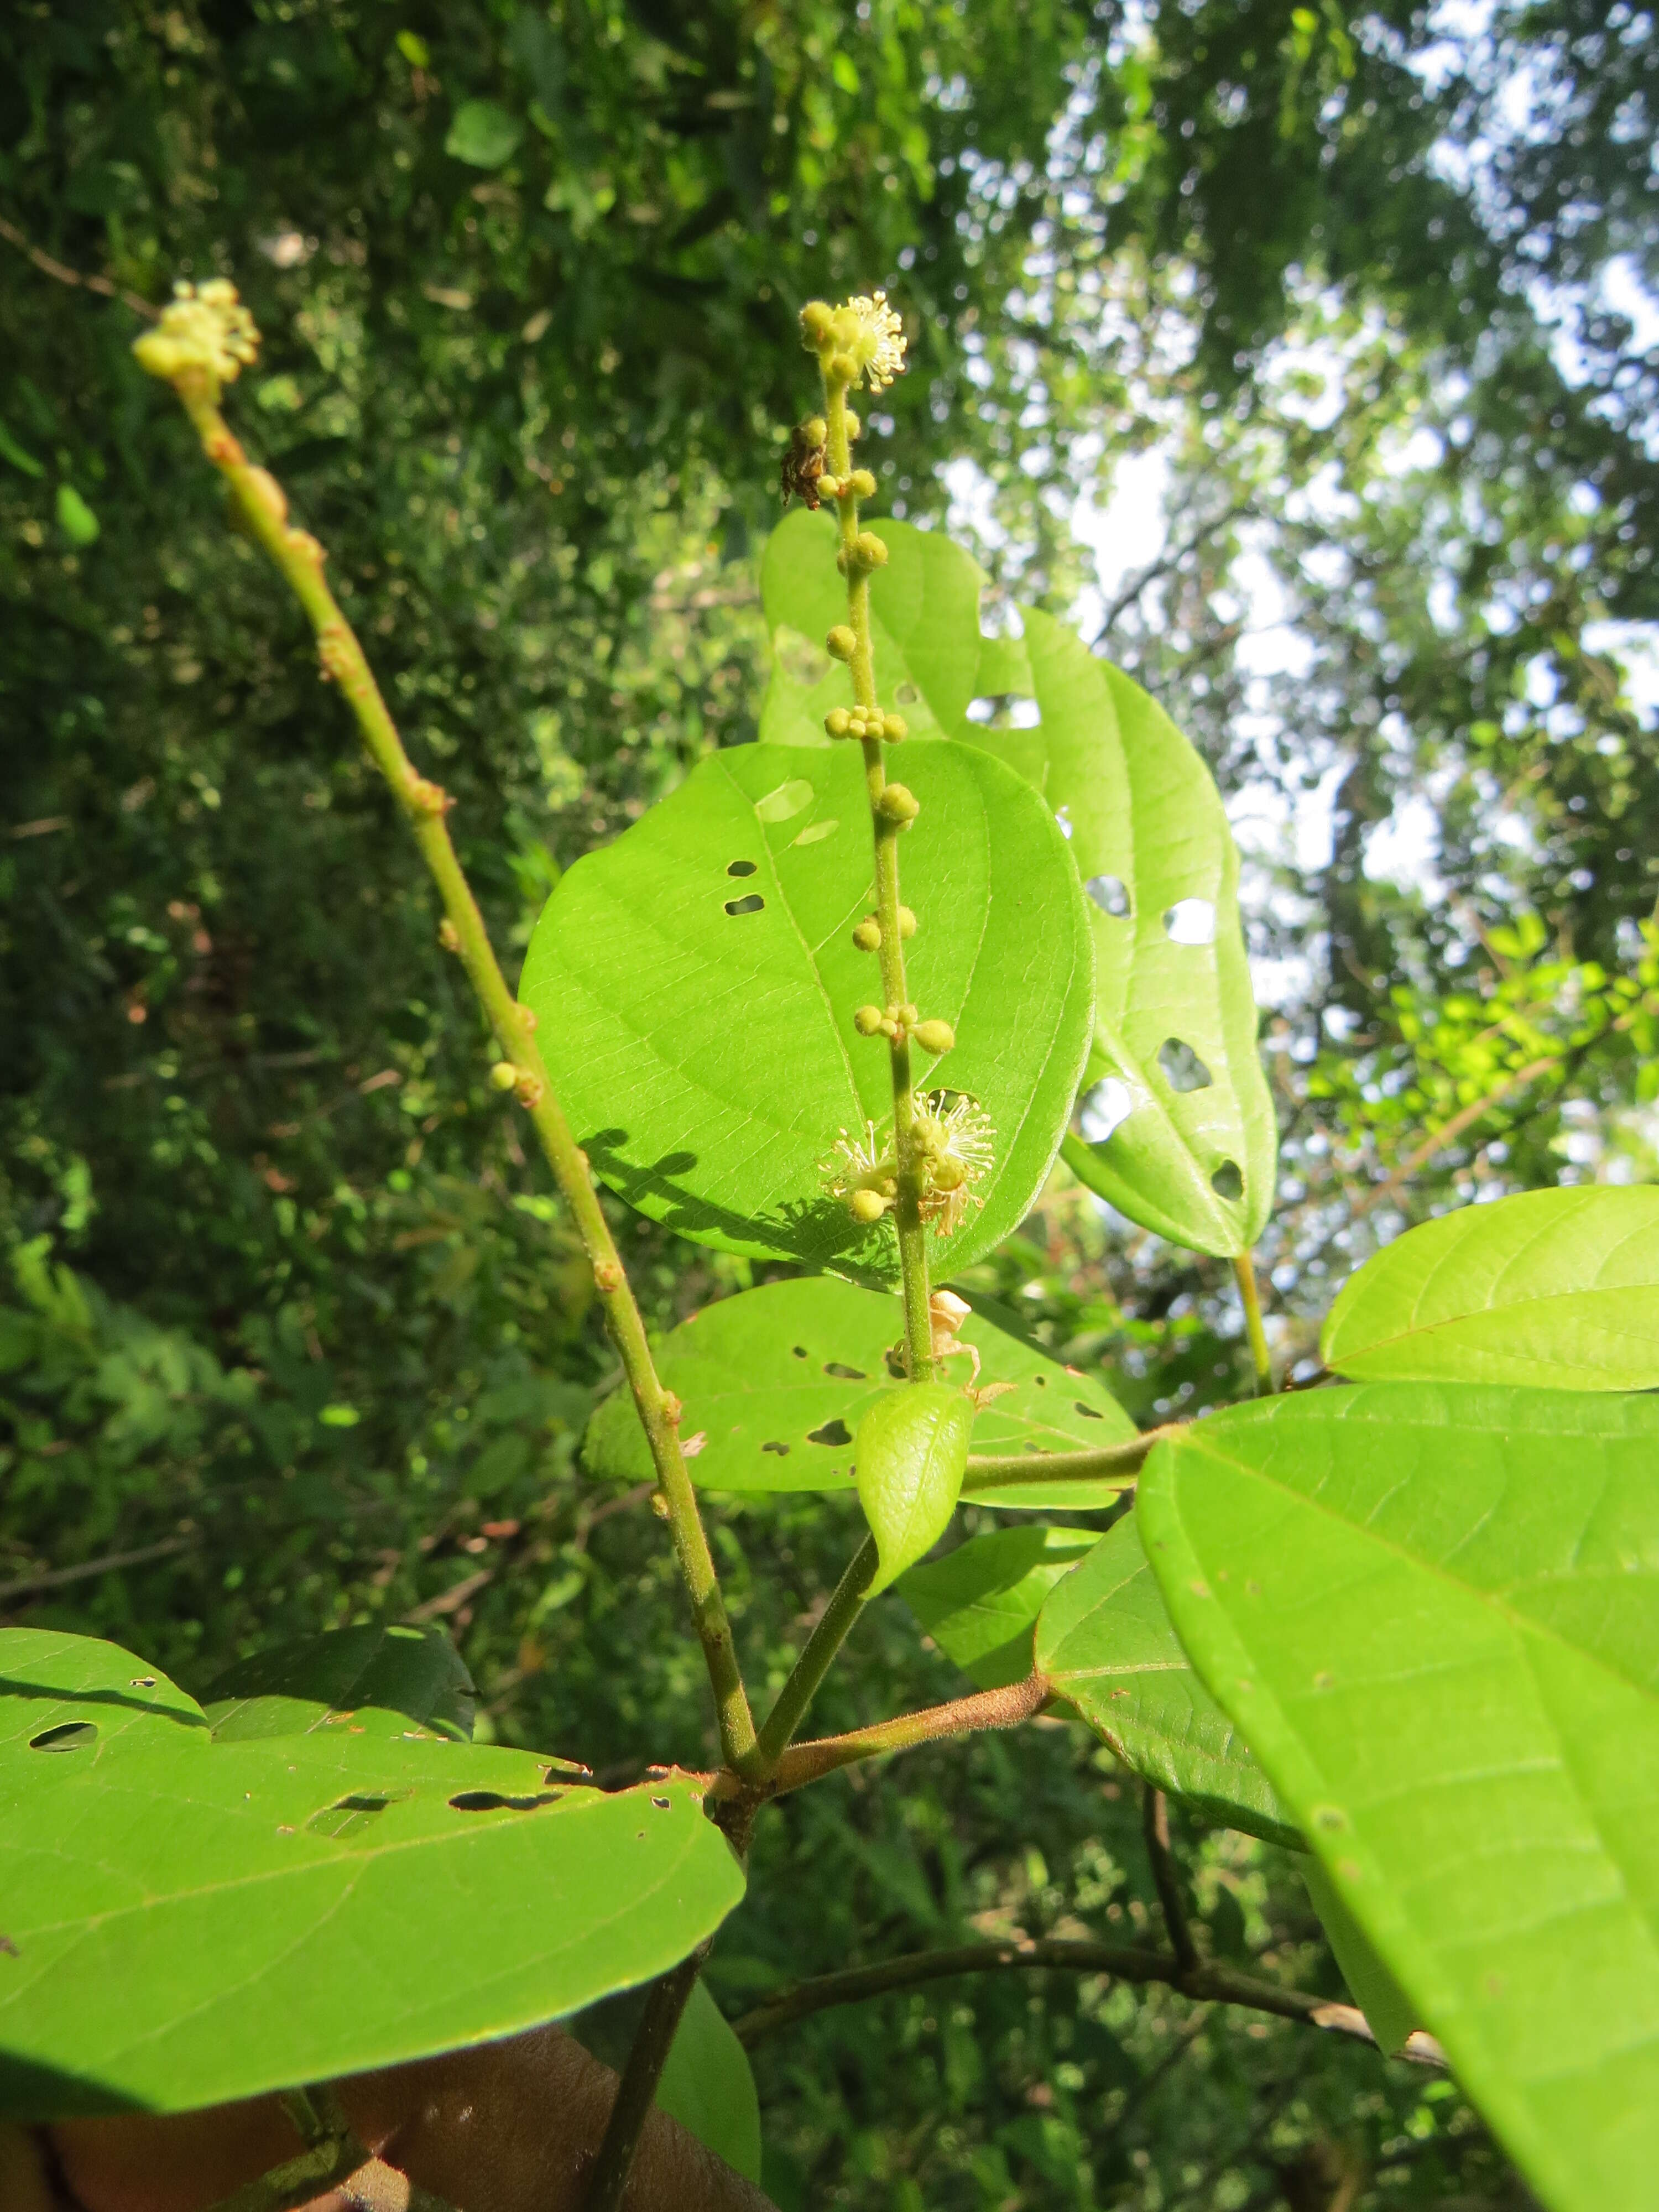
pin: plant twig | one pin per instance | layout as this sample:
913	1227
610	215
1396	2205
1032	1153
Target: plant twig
58	1577
1015	1470
300	557
987	1709
836	1622
1449	1132
1250	1298
636	2091
1207	1984
104	286
1166	1880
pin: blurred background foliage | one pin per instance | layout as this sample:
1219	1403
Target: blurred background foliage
1306	356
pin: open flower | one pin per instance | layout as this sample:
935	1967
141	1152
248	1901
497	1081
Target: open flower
863	338
204	328
955	1149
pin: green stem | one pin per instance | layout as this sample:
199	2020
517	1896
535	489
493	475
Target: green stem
636	2093
907	1209
989	1709
1250	1297
299	558
1108	1462
846	1603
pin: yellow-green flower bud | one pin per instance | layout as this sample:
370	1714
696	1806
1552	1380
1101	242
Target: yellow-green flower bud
906	922
895	728
867	1020
867	935
816	317
840	644
837	722
503	1075
947	1174
815	429
830	487
871	550
841	368
908	1015
898	803
935	1036
862	484
888	1026
853	426
866	1205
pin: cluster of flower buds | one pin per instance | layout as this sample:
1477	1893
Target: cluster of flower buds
895	1022
866	934
863	338
860	484
204	331
866	722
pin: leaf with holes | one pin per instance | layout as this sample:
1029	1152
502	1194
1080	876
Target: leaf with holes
911	1453
189	1921
979	1603
924	604
776	1380
1432	1610
696	981
1559	1288
381	1682
708	2086
1178	1124
1105	1641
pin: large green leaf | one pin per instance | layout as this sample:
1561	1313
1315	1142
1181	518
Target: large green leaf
707	2085
189	1921
776	1380
381	1682
911	1453
1434	1611
1190	1157
1389	2013
1557	1288
979	1603
1105	1641
696	982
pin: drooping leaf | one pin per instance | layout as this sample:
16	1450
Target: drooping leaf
1553	1288
1432	1609
190	1921
1104	1639
483	135
776	1380
911	1451
384	1681
696	983
1389	2013
1179	1131
708	2086
979	1603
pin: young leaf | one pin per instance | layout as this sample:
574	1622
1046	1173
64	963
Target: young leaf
776	1380
1432	1609
189	1922
1389	2013
979	1603
1175	1067
1104	1640
386	1682
1555	1288
707	2085
911	1449
696	982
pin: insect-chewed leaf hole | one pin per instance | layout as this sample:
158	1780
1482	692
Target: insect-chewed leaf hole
663	1804
1111	895
68	1735
741	867
1089	1413
752	904
1190	921
1041	1381
832	1433
1227	1181
798	1350
348	1816
773	1445
492	1801
141	1682
907	694
846	1373
1106	1108
1182	1068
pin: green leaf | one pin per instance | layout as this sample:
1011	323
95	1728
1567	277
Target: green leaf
1556	1288
190	1921
1432	1610
75	517
979	1603
708	2086
696	981
1105	1641
382	1681
924	608
1189	1158
912	1450
483	135
776	1380
1389	2013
